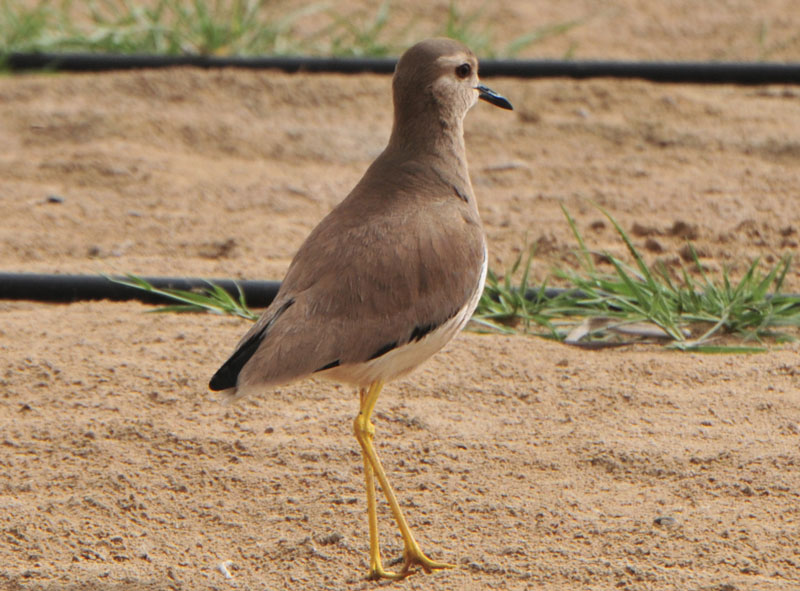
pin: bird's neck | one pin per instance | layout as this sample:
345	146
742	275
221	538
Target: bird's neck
436	138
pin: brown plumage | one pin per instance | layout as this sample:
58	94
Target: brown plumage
393	271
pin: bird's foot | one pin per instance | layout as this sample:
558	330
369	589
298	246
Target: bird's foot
412	558
377	573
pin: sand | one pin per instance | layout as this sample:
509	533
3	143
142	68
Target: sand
528	463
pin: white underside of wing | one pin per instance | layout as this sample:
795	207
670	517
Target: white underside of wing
401	360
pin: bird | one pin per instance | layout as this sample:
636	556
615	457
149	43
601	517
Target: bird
389	275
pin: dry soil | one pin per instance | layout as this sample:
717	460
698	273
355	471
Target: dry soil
527	463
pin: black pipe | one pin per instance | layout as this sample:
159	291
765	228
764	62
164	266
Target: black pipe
697	72
74	288
98	62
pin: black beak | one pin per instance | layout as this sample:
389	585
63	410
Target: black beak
490	96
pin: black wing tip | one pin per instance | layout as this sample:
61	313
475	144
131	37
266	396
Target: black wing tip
228	375
223	379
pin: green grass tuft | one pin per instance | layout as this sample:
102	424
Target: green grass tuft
165	27
237	27
709	309
636	303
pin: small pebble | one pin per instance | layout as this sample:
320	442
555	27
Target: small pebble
665	520
223	568
332	538
55	199
653	245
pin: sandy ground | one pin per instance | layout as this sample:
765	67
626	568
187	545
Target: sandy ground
529	464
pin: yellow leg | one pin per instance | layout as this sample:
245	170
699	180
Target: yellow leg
376	570
412	554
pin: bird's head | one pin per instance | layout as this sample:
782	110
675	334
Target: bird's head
442	73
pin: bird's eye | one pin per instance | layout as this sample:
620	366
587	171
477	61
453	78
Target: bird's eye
464	70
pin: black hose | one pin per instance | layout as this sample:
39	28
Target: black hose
74	288
698	72
98	62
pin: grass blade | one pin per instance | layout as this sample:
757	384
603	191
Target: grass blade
213	299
